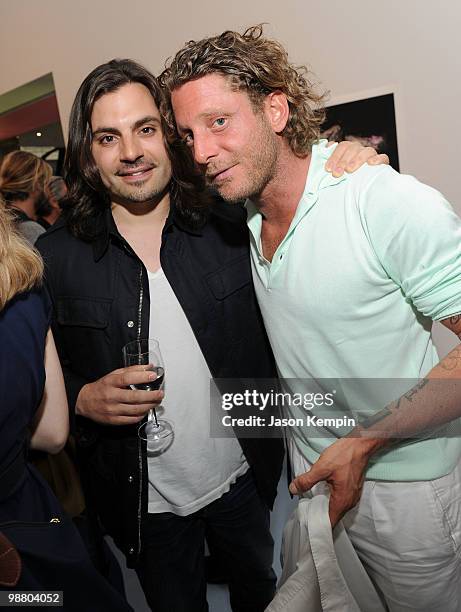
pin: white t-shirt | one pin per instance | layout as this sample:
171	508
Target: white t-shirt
195	469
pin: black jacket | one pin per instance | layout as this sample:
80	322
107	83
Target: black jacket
101	301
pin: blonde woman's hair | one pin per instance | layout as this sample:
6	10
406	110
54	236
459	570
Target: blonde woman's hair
21	267
22	173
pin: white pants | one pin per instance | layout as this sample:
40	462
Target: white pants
408	537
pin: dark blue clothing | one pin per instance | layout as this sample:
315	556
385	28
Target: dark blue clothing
23	326
53	556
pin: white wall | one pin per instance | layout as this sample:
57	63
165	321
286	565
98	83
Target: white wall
361	45
411	46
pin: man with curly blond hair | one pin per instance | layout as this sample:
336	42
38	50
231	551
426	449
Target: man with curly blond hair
350	271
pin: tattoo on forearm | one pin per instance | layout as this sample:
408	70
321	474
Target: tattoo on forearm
452	360
412	392
387	411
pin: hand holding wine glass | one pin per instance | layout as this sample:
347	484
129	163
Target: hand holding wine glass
111	401
157	432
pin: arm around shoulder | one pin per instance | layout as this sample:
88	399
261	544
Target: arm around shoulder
50	427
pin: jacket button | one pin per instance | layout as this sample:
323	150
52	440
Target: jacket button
130	478
130	324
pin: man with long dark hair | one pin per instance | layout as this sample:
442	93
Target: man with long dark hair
131	261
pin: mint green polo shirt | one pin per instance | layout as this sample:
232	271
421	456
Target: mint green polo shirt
369	261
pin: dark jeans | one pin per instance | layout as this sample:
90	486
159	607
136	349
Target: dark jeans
172	568
99	551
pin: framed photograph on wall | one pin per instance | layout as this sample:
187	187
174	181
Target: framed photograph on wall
368	120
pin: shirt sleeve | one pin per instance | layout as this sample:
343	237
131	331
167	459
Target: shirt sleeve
416	236
31	231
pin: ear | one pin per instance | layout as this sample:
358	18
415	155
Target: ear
277	110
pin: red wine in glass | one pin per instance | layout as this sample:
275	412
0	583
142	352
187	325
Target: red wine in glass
157	432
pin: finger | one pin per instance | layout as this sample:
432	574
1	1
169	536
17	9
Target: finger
116	396
136	410
339	505
336	156
140	375
344	495
381	158
353	157
125	420
359	157
334	515
306	481
142	367
135	397
343	155
337	171
133	368
300	485
116	410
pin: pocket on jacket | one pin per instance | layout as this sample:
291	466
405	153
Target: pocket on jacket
230	278
233	300
83	312
85	330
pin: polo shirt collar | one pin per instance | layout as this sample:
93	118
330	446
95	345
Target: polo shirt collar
317	179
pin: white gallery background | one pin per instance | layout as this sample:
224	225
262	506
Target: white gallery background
356	49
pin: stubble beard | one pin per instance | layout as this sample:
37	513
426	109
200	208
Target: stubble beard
261	163
139	194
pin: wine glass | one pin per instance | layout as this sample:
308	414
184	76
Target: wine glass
155	431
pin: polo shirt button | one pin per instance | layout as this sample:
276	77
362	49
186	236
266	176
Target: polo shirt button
130	479
130	324
131	551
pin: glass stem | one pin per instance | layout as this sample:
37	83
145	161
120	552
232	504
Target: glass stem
154	414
